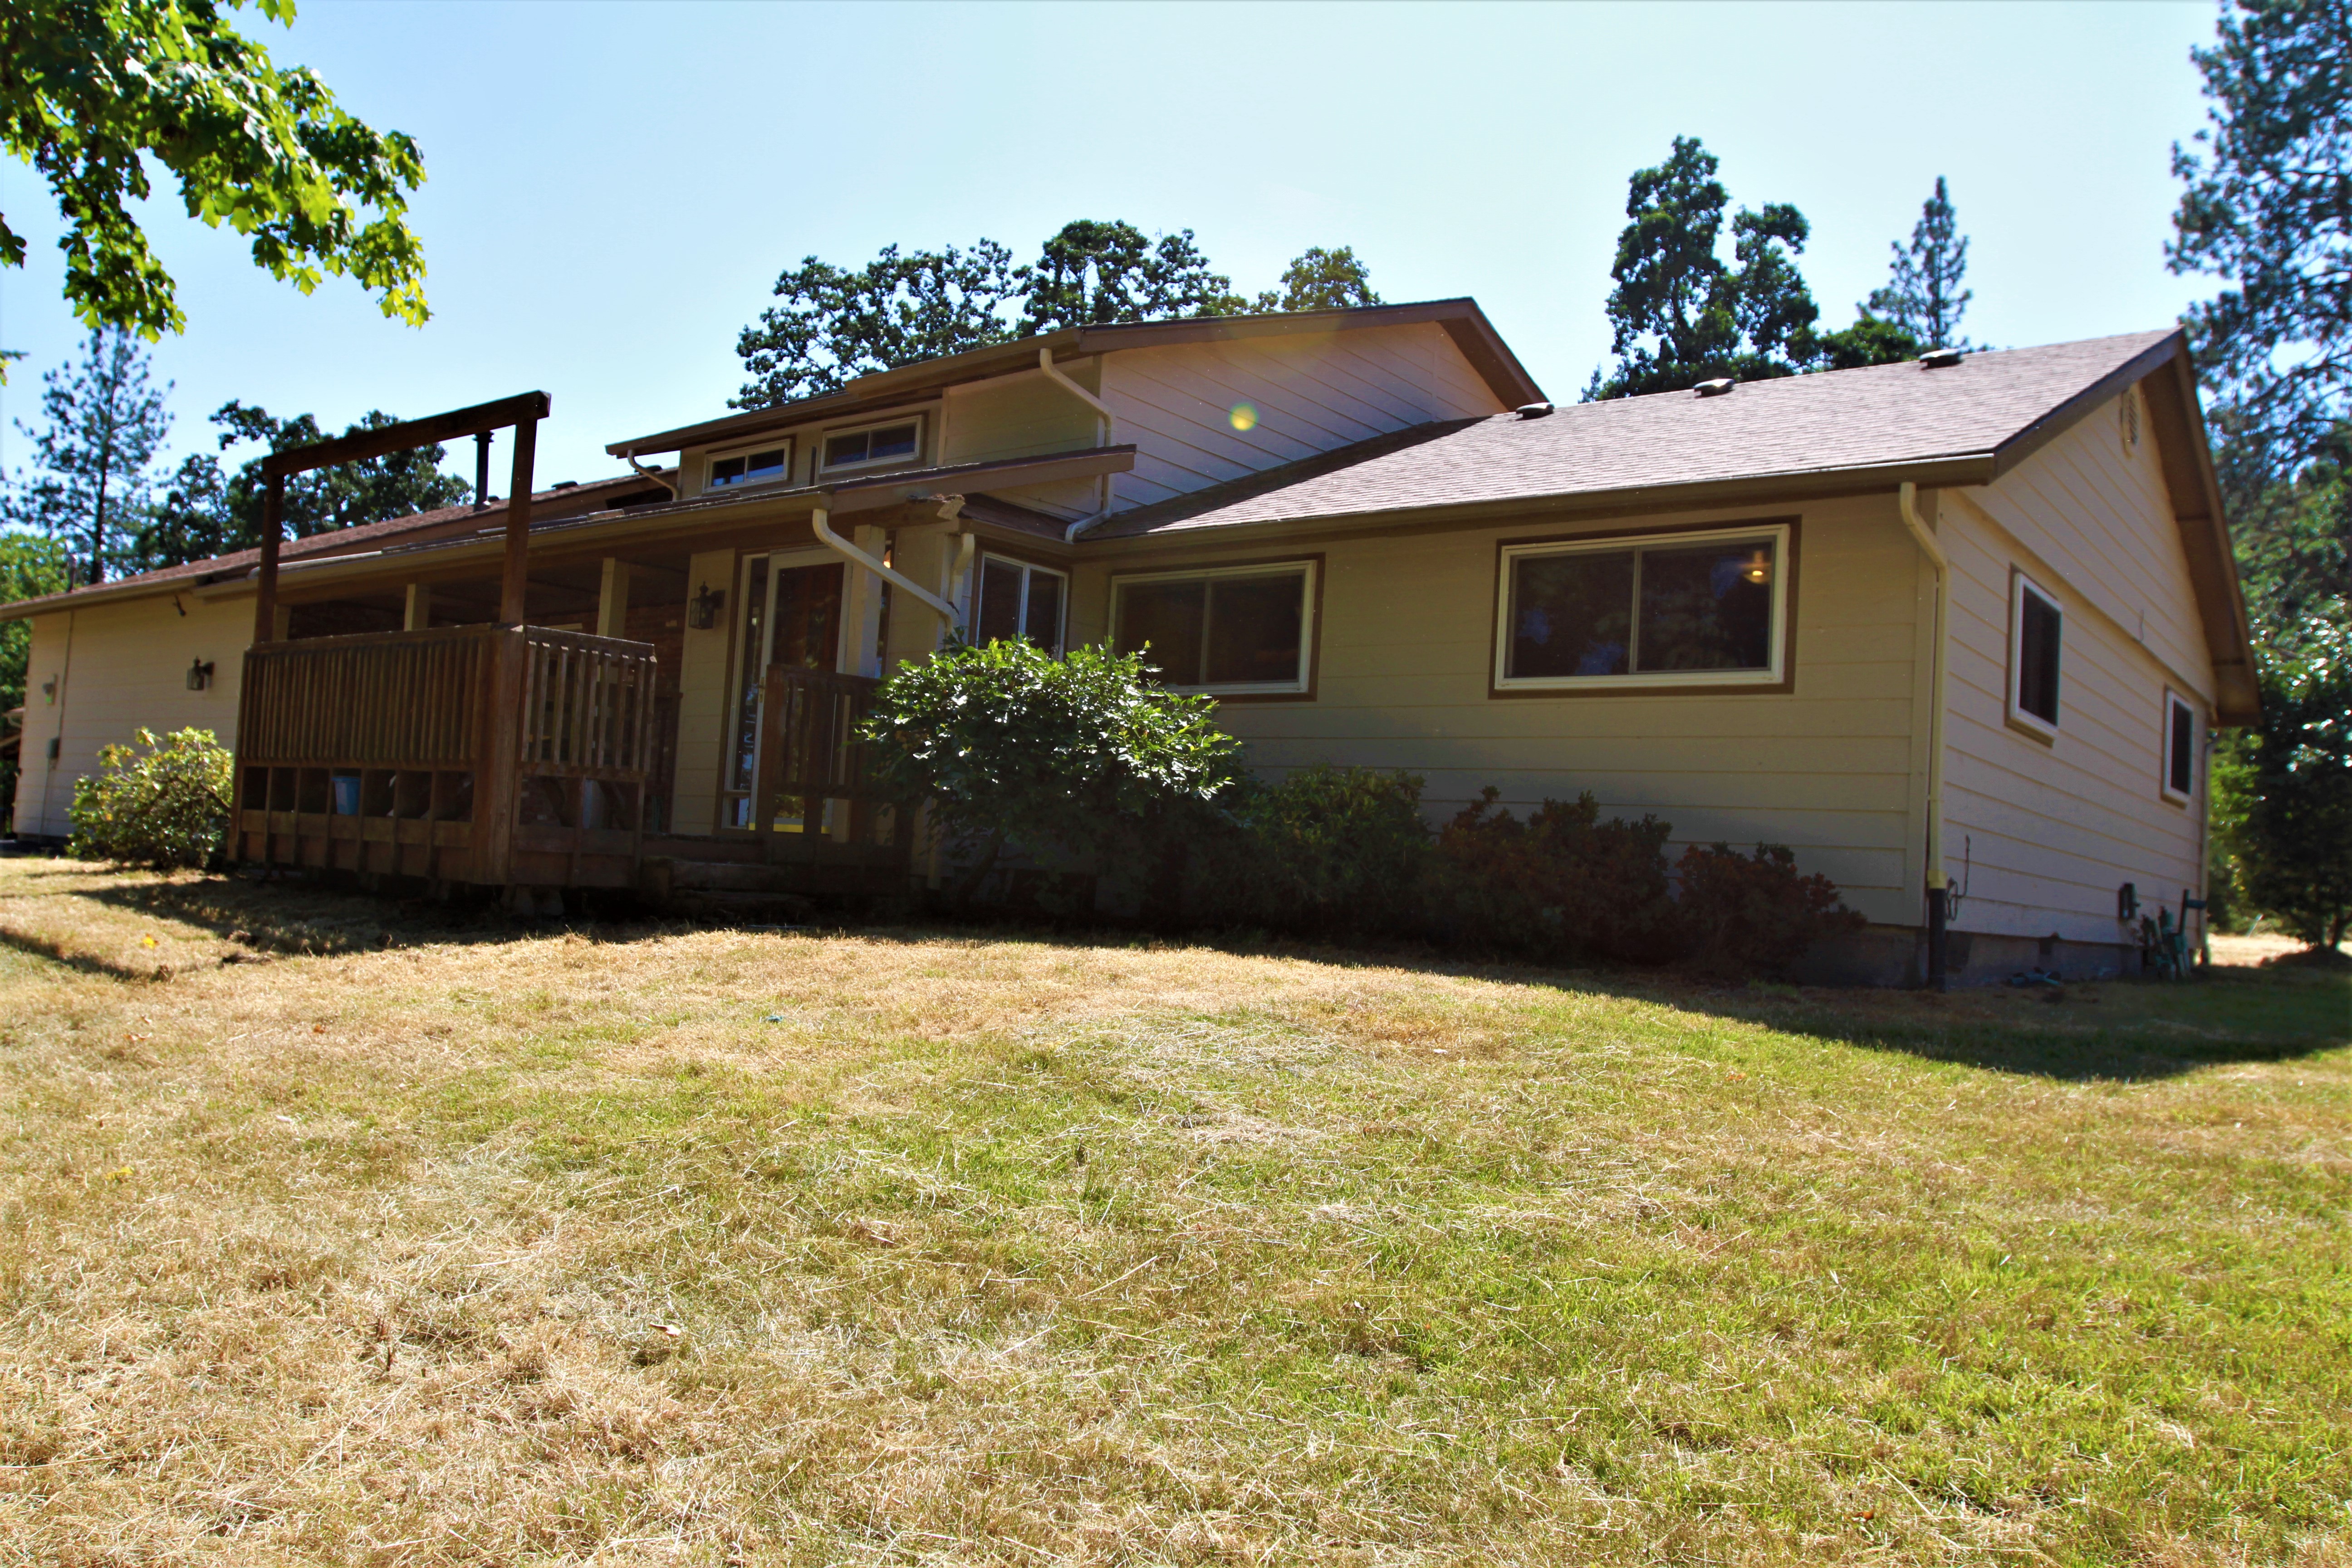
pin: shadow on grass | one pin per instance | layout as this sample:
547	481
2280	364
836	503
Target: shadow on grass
2119	1031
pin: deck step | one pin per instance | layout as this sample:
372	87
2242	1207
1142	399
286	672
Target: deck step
741	907
734	876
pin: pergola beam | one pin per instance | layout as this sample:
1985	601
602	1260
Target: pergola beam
522	412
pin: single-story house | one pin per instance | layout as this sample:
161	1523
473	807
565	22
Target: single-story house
1968	620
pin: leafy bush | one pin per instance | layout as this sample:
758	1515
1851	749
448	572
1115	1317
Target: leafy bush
1560	884
1741	913
160	802
1078	756
2282	794
1327	850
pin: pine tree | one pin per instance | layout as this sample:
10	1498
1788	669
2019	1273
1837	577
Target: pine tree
1923	294
106	421
1321	279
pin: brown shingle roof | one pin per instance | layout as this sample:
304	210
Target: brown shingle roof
1982	412
558	504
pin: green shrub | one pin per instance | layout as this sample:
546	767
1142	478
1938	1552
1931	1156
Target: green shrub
158	802
1327	851
1742	914
1078	758
2282	794
1560	884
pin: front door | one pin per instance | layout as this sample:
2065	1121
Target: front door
792	619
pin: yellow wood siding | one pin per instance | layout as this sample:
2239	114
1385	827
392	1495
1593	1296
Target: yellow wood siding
702	695
2054	828
1310	393
121	666
1829	768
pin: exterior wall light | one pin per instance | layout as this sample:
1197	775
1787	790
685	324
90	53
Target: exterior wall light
702	613
200	675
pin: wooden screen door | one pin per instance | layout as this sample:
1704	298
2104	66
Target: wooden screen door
803	632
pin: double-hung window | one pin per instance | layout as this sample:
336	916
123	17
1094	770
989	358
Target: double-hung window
2037	632
897	442
1234	630
1663	610
1019	600
2180	749
763	466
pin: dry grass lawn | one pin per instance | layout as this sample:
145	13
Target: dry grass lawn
402	1239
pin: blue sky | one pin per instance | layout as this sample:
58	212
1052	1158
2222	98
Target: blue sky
614	187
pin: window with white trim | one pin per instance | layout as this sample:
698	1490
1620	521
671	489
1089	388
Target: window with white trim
1019	600
1230	630
2179	748
765	465
2037	634
1671	609
897	442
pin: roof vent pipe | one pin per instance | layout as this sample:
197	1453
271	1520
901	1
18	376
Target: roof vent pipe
1939	359
1716	388
1532	410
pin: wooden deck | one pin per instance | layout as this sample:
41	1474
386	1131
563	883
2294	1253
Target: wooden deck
525	758
502	755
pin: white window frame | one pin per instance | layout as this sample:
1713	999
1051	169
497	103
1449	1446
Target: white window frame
2176	707
711	460
1774	672
1308	603
1021	611
2020	586
825	438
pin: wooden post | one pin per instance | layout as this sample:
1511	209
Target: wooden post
418	616
273	521
514	586
613	599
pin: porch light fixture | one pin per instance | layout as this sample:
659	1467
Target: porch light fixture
200	675
49	691
702	613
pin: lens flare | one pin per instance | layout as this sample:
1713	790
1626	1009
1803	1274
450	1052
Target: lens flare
1243	416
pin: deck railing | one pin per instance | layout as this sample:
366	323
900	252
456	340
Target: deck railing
813	766
492	755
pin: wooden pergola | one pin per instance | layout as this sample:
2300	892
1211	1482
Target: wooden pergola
522	412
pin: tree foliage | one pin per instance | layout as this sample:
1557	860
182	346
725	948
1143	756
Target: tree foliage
2283	792
160	802
1080	756
104	422
1924	295
1320	279
206	511
832	324
835	324
2268	211
1680	314
94	92
31	565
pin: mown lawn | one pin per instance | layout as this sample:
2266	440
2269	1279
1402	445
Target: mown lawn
407	1240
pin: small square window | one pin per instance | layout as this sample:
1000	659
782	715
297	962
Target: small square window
894	443
1239	630
765	467
2179	748
1018	600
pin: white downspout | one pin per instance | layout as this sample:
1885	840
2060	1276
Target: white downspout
630	458
819	522
1102	412
1906	501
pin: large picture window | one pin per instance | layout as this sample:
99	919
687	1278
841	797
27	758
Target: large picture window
1239	629
1019	600
1679	609
2037	632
